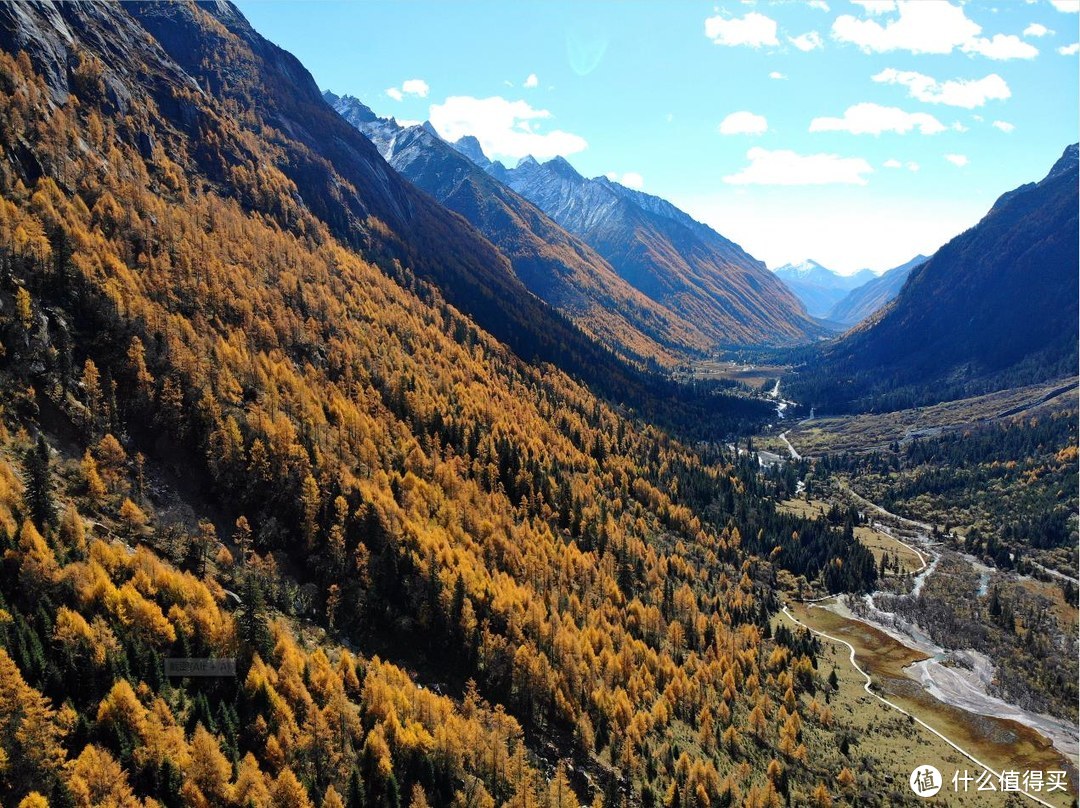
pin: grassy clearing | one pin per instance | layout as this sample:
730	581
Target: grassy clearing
754	376
875	541
1000	744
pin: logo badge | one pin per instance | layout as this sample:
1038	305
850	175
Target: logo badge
925	781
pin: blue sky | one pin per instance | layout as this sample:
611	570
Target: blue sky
857	134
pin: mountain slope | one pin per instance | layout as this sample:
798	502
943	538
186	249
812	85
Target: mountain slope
995	307
554	265
862	301
659	250
818	287
194	365
316	160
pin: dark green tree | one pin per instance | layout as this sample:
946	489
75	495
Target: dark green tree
39	484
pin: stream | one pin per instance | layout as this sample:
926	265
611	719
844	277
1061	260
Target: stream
959	677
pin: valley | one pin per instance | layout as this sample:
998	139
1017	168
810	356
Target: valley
906	634
435	456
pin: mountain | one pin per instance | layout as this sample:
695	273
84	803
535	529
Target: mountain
819	288
320	162
244	423
862	301
995	307
551	263
658	249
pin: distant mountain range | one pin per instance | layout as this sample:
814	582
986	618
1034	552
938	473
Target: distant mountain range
628	267
553	264
995	307
818	287
864	300
661	251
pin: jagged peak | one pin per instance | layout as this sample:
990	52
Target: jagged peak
1068	162
561	166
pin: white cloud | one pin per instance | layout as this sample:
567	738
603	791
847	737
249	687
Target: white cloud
926	26
776	74
743	123
1001	47
753	30
820	5
1068	6
876	6
1037	30
957	159
1004	126
955	93
894	163
631	179
922	27
532	81
958	127
1069	50
504	128
806	42
417	87
784	167
873	119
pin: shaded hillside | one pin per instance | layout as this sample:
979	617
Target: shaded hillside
862	301
554	265
279	147
682	264
819	288
993	308
205	387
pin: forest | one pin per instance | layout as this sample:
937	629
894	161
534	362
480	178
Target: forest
228	434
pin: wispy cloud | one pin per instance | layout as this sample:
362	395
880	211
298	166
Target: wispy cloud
959	160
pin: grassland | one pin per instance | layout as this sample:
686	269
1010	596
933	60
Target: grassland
896	745
753	376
